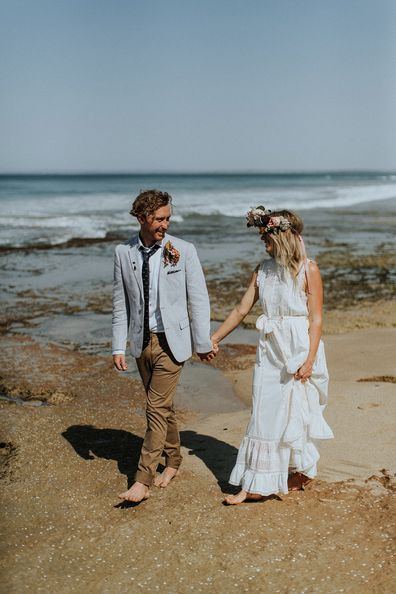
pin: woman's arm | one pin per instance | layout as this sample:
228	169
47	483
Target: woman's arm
239	312
315	307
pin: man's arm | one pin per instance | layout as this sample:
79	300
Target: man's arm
121	316
198	301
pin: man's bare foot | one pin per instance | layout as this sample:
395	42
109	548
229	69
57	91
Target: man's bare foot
297	481
241	497
163	479
136	493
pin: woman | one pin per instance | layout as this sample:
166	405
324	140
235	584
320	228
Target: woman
290	379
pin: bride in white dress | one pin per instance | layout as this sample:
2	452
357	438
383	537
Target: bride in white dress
290	382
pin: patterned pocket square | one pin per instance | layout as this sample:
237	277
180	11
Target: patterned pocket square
173	271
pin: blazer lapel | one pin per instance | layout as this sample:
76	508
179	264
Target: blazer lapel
163	269
136	264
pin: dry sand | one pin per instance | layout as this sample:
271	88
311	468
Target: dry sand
63	465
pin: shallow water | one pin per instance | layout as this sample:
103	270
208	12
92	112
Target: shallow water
90	333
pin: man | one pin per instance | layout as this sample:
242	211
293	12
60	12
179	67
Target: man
158	279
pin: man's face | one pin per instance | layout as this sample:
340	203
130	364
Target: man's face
155	226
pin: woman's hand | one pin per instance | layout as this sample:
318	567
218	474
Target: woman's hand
215	346
304	372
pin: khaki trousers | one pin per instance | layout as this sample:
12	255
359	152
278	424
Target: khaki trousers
160	373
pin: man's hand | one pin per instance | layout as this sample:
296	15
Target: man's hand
119	362
206	356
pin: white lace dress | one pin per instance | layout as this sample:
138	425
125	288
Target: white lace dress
287	415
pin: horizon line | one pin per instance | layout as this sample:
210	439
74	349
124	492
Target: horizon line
199	173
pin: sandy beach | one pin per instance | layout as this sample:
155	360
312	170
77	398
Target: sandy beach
70	441
72	427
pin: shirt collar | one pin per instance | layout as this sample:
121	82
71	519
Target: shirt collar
141	244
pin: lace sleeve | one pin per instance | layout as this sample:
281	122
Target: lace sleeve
260	274
258	278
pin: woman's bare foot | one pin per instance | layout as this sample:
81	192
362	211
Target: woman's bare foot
241	497
136	493
297	481
163	479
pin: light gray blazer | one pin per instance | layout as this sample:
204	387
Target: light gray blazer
182	289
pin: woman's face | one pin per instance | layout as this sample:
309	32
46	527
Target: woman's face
269	245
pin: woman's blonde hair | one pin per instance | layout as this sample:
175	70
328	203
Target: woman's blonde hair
288	247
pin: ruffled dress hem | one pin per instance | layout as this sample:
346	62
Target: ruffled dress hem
268	483
254	453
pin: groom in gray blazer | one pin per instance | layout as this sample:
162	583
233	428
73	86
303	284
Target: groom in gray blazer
161	304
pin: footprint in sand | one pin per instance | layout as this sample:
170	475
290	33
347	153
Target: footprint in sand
369	405
388	379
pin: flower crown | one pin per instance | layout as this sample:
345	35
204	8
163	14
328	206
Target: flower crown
261	217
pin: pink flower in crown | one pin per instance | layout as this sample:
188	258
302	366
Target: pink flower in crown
170	254
273	222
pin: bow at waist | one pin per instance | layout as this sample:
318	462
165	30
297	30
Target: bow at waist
266	324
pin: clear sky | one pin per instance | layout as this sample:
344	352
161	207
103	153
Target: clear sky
197	85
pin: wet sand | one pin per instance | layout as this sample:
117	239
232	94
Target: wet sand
72	429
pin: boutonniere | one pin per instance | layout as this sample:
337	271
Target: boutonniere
171	255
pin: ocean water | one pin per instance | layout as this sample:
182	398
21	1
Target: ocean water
50	210
58	233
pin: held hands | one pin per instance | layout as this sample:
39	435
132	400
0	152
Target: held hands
121	365
305	372
119	362
211	355
206	356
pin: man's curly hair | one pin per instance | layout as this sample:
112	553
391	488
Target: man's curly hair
148	202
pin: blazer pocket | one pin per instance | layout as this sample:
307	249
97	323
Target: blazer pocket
184	323
173	271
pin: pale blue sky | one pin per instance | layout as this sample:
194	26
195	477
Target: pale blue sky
203	85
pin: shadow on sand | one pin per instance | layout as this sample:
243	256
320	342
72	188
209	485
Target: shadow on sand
217	455
90	442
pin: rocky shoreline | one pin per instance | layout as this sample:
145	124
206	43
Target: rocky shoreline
350	283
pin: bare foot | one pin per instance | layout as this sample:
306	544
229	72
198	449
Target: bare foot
163	479
136	493
297	481
241	497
